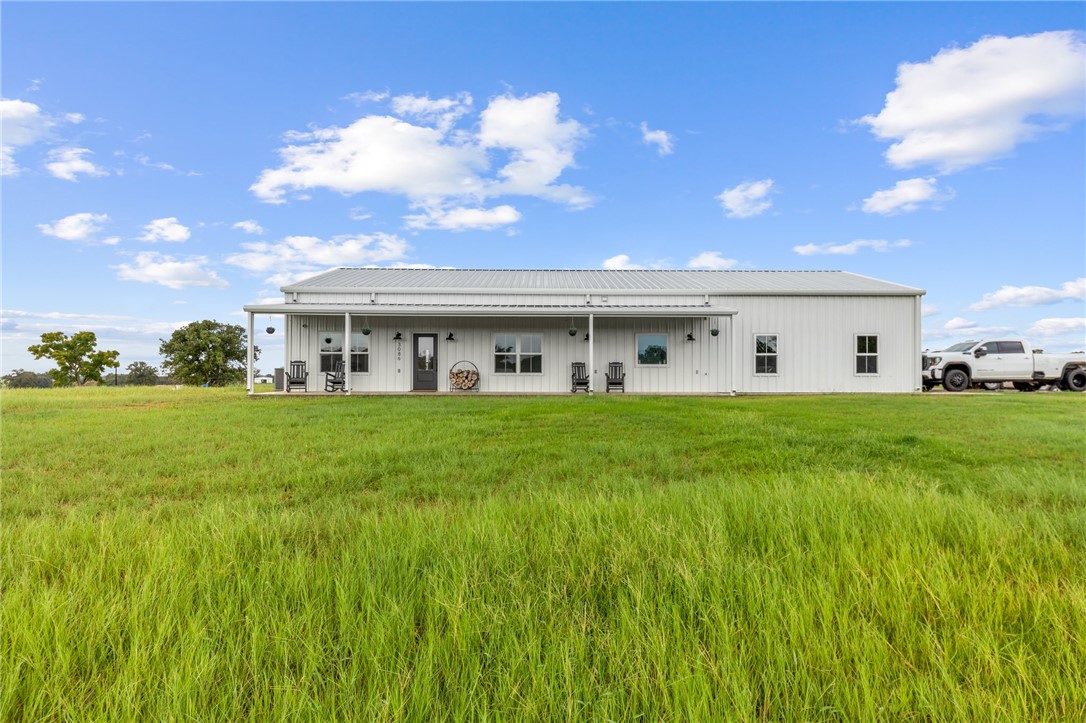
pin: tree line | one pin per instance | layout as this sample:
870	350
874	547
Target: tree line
206	353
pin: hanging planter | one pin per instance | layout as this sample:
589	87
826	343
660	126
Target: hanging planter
714	332
366	330
573	331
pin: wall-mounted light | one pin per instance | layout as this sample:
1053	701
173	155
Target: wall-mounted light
398	337
690	336
305	325
450	337
586	336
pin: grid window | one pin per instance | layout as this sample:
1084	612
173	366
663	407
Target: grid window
765	354
518	354
331	348
360	353
652	350
867	354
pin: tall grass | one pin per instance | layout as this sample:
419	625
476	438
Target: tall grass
191	554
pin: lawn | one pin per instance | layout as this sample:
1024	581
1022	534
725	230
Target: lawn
193	554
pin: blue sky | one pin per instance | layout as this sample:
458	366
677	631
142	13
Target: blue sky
169	163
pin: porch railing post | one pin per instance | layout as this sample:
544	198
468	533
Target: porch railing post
249	358
346	352
591	355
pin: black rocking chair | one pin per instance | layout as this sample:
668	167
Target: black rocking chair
579	377
297	376
616	377
335	380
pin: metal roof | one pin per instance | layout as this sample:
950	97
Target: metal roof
561	310
599	281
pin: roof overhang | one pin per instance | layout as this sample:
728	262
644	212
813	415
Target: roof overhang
480	310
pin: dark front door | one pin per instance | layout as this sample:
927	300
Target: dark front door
425	376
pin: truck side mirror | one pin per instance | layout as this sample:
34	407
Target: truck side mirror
980	352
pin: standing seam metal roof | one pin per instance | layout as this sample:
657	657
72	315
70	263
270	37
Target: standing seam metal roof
597	281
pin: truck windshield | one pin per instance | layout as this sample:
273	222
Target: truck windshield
963	346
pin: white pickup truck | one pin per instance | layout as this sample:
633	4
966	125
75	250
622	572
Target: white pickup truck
1004	360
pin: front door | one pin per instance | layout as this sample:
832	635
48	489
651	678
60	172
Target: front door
425	374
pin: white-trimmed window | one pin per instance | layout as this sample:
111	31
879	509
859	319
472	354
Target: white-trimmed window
765	354
331	348
867	354
360	353
652	350
518	353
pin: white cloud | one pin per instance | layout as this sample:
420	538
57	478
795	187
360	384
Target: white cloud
67	163
1058	326
747	199
960	328
661	139
711	260
620	263
969	105
21	124
540	145
1031	295
851	247
369	96
250	226
165	229
111	241
440	166
928	310
77	227
41	321
442	113
904	197
301	256
463	219
151	267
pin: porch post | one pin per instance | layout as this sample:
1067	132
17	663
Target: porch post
731	370
591	356
346	352
249	358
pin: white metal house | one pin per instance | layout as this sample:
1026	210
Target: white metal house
674	332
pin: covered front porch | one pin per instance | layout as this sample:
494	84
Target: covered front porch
514	349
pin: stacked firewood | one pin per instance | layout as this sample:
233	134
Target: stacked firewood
463	379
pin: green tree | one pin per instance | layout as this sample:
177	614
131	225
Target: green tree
77	359
22	379
141	374
206	352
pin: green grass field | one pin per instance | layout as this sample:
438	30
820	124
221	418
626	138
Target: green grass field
196	555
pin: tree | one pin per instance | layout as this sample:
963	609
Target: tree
141	374
206	352
77	360
22	379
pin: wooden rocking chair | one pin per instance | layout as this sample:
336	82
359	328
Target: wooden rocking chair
335	380
579	377
297	376
616	377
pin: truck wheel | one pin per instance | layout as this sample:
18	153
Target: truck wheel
991	386
1027	386
956	380
1076	380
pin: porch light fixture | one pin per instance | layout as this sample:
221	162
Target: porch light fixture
690	336
450	337
398	337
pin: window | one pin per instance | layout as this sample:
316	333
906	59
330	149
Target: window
652	350
765	354
518	354
1009	347
331	349
867	354
360	353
